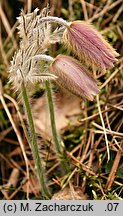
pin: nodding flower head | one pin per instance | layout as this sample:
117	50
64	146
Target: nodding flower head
74	77
88	44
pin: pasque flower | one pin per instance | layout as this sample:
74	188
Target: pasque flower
89	45
74	77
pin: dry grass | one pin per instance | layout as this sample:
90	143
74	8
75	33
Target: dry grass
88	135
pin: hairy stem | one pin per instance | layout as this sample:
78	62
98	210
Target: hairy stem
52	118
57	141
43	57
56	20
34	146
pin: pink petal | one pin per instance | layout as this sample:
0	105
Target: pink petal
74	77
87	43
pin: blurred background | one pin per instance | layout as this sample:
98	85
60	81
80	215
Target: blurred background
79	122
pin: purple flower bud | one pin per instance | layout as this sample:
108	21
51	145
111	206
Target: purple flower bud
74	77
88	44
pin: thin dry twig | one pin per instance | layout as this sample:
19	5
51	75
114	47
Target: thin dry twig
16	131
7	26
29	6
111	76
71	13
84	167
107	8
103	125
120	10
114	168
84	9
118	134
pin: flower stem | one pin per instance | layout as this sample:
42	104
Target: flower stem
43	57
52	117
57	142
56	20
34	146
